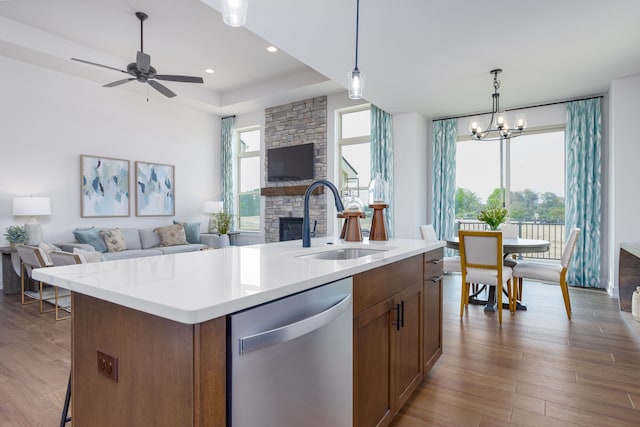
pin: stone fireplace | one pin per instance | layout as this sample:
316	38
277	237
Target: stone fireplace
300	122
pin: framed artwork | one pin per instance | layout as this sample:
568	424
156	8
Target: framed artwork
104	186
155	189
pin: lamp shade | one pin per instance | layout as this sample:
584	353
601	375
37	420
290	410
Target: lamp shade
31	206
213	207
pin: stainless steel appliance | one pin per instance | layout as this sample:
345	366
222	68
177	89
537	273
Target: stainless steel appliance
291	362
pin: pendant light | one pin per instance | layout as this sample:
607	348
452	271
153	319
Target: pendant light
234	12
355	79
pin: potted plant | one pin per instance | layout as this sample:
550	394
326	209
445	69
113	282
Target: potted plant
493	217
223	225
16	234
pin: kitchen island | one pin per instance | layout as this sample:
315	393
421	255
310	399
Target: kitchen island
149	335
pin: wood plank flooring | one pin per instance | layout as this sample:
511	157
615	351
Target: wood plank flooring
537	369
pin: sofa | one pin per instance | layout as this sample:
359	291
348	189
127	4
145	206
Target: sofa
122	243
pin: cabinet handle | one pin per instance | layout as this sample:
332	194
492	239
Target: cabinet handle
294	330
397	322
435	279
402	314
434	261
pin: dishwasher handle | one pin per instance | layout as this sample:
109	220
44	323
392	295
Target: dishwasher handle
293	330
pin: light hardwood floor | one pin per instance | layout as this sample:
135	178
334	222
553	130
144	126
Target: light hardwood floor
537	369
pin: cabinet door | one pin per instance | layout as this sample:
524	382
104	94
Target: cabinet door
374	344
432	307
432	322
408	367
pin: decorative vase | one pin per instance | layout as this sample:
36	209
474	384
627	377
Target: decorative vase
635	304
224	240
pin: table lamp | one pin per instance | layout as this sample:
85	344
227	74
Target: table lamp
213	208
32	207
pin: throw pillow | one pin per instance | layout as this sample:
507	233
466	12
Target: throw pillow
171	235
45	249
88	256
90	236
191	231
114	239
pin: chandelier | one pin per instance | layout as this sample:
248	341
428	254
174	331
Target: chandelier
498	124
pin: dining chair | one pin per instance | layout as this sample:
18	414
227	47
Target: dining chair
549	272
32	257
59	258
481	262
509	231
449	264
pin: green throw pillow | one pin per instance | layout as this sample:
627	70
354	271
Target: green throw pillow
90	236
191	231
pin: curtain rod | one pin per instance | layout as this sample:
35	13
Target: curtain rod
524	108
227	117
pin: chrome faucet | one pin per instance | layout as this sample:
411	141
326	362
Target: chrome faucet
306	235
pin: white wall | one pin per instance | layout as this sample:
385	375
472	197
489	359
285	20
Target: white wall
624	153
411	174
49	119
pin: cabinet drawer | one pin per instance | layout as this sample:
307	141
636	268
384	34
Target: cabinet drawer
433	264
373	286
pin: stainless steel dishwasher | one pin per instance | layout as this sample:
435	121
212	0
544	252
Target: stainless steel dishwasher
291	361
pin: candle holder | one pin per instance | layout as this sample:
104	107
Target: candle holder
378	201
378	229
351	228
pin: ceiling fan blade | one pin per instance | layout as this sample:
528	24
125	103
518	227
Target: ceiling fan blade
183	79
118	82
98	65
162	89
143	61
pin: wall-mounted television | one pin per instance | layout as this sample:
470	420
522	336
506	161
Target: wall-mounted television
292	163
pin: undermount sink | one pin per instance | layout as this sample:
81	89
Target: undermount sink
343	253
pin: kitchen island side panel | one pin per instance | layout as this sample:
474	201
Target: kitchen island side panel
158	361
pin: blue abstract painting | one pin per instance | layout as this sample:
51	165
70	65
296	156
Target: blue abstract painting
104	186
155	189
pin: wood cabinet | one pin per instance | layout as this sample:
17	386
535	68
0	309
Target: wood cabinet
432	307
387	339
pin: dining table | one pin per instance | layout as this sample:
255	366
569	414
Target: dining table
510	246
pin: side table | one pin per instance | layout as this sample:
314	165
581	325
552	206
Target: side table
10	280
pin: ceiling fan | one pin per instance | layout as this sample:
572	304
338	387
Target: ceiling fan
142	71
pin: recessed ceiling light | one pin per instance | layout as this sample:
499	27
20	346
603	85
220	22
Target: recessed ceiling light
209	71
272	49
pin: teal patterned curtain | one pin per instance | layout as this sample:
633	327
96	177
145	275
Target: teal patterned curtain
227	167
382	155
583	140
444	177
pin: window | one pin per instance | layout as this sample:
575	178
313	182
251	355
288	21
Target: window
354	154
248	179
532	176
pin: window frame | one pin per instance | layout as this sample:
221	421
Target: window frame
507	157
343	187
244	155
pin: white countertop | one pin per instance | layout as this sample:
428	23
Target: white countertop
198	286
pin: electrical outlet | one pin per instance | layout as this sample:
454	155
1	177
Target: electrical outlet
108	365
